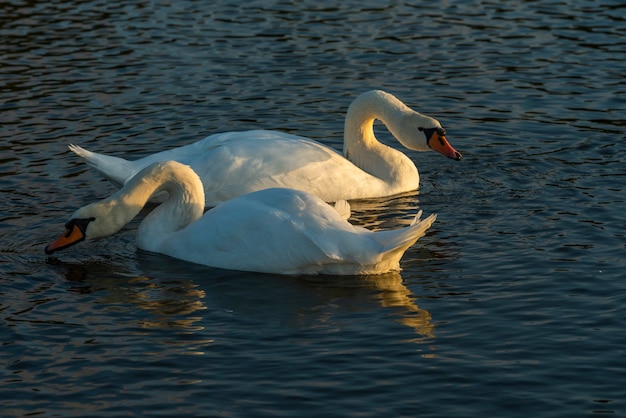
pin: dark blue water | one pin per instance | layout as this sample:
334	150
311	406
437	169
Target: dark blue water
512	305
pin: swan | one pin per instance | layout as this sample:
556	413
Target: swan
276	230
234	163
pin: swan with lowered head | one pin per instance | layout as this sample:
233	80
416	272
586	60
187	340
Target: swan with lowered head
234	163
276	230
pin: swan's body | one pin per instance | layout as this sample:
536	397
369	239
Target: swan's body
235	163
273	230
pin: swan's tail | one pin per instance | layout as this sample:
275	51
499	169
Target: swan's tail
396	242
117	170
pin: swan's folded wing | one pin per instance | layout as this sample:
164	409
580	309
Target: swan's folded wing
245	237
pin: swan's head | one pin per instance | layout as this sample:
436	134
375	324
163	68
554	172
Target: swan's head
423	133
89	222
184	205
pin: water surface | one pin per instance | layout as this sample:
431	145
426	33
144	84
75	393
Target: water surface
512	305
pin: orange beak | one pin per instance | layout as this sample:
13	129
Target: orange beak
440	144
74	233
436	140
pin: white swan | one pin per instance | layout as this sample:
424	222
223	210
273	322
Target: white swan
234	163
273	230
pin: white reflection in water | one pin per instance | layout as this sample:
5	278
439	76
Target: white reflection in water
182	296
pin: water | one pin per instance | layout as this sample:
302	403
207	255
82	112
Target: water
513	304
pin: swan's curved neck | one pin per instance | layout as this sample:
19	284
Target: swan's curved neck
184	205
360	144
359	124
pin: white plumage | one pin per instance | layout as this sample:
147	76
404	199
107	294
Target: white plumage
235	163
273	230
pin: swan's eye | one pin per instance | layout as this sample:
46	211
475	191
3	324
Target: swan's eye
430	131
80	223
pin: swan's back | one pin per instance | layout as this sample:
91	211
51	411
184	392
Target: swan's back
273	230
289	232
232	164
271	159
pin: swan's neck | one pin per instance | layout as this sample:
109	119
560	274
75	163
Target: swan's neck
360	144
185	203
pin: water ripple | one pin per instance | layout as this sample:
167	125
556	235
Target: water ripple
514	294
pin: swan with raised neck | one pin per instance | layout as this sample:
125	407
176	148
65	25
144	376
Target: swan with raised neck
231	164
409	127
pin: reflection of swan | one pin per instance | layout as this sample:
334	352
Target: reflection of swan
191	298
393	294
301	301
397	295
273	230
171	303
234	163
